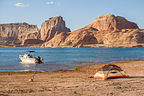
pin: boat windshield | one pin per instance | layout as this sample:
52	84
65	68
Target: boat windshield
30	56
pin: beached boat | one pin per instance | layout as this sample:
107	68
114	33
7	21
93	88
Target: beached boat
29	59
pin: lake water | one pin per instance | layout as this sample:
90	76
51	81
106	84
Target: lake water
65	58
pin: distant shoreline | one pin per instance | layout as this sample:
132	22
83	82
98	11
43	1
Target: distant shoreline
85	46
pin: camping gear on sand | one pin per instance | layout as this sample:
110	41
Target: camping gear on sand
110	71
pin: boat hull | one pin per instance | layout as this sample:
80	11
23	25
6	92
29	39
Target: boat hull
28	60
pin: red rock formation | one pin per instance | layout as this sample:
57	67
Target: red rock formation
15	33
56	41
112	23
80	37
107	29
31	42
121	38
72	39
52	27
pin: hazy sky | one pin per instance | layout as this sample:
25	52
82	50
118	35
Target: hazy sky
76	13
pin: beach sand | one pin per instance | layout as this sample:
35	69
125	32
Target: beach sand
75	82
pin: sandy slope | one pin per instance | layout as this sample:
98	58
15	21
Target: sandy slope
75	83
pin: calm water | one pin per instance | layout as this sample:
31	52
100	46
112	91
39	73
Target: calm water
65	58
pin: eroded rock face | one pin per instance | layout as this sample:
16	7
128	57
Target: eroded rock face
80	37
107	29
112	23
129	37
56	41
52	27
17	32
73	39
31	42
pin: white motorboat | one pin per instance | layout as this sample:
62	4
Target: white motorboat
29	59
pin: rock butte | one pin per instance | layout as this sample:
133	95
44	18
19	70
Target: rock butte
107	29
52	27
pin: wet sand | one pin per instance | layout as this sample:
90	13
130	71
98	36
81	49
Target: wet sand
74	83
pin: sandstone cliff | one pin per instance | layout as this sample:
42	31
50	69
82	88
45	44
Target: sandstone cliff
107	29
80	37
52	27
56	41
15	33
32	42
71	39
110	22
25	34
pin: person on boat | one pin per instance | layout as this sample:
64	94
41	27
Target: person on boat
38	60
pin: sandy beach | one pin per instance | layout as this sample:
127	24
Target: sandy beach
74	83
